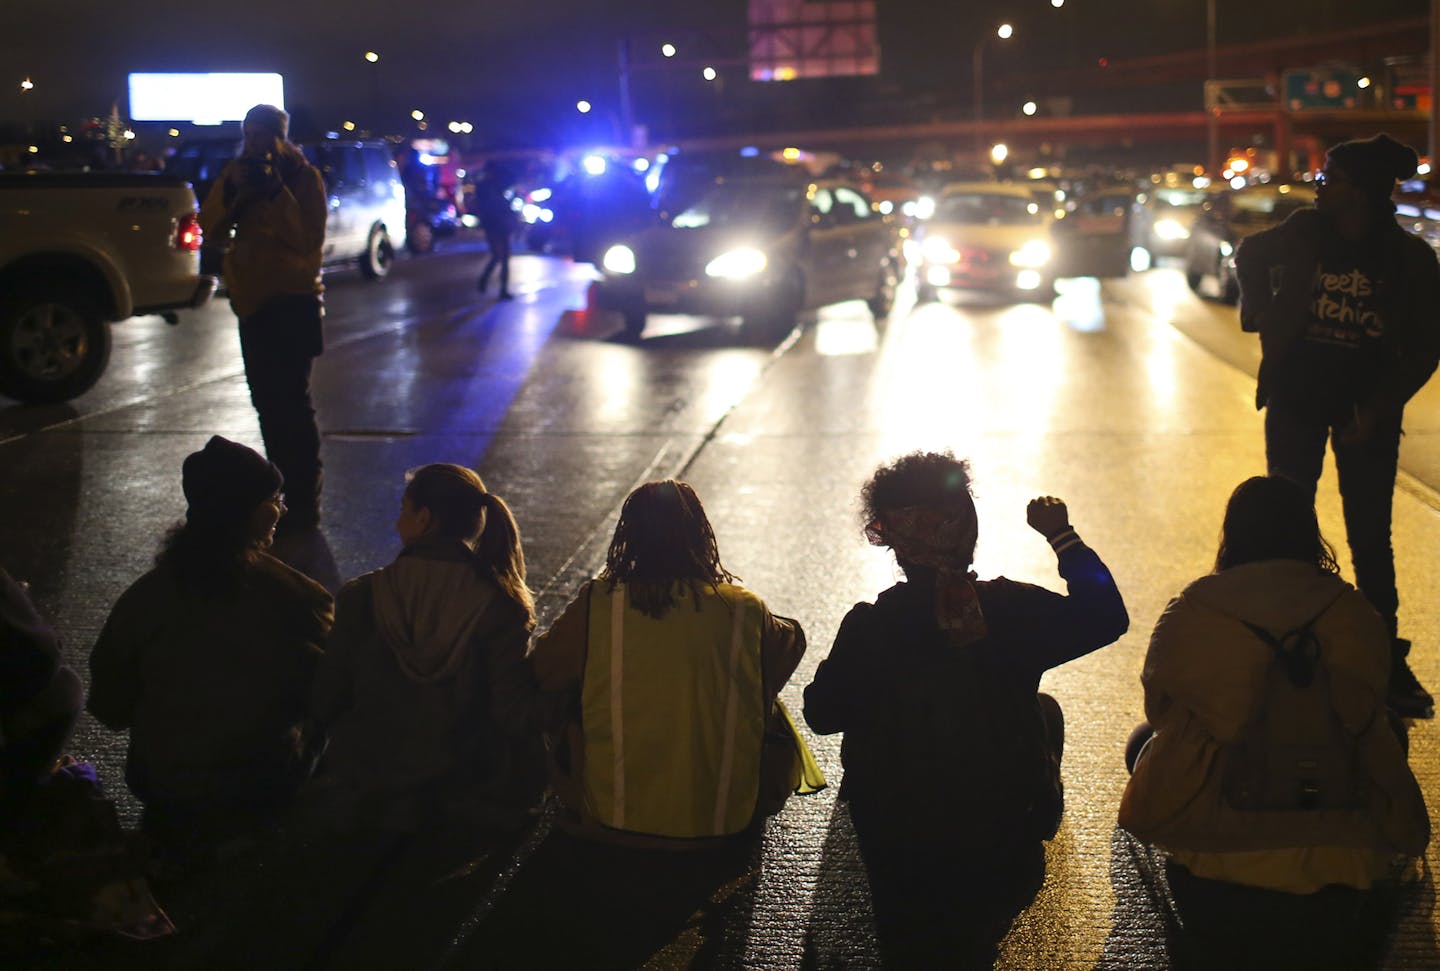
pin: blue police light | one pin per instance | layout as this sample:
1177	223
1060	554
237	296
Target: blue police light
749	151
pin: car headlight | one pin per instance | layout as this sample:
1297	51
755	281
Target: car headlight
1032	254
924	208
737	264
1226	250
1171	230
937	249
619	259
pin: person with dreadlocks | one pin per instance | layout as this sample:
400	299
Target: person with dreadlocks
661	678
951	756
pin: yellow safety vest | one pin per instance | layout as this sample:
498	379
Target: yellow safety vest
673	713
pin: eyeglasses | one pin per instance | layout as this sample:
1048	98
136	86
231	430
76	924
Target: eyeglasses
1324	177
278	499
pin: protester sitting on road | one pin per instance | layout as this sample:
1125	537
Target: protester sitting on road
40	698
951	757
661	679
1266	868
208	659
424	689
64	861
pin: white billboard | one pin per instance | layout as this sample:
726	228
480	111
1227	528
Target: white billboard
202	99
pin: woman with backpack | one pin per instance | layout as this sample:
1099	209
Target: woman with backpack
951	756
1269	768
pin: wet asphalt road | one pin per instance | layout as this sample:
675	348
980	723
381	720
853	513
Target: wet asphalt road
1131	400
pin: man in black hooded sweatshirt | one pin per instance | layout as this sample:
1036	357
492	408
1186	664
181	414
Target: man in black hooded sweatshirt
1347	305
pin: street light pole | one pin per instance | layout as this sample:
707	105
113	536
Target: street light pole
1212	112
627	111
979	65
1004	32
1434	83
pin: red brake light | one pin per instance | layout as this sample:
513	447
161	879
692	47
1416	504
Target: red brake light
187	233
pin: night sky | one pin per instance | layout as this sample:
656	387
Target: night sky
509	64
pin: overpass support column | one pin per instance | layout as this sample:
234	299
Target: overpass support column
1282	144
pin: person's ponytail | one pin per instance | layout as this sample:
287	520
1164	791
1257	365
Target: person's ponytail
500	557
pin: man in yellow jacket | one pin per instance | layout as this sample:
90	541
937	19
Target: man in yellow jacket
274	202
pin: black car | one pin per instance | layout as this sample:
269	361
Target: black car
763	249
1227	218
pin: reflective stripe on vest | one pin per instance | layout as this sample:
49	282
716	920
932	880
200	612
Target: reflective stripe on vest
673	713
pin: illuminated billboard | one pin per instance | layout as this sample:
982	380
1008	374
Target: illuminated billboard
203	99
793	39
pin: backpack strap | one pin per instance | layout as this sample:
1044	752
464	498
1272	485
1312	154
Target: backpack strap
1297	650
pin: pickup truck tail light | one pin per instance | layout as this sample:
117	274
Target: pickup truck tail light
187	233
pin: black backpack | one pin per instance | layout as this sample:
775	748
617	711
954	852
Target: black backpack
1295	753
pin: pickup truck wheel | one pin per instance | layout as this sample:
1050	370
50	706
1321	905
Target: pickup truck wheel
379	256
54	345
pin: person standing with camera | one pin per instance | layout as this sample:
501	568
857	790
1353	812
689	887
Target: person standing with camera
274	201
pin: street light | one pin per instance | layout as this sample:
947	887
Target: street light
1030	107
709	73
668	50
1004	32
372	57
583	107
27	84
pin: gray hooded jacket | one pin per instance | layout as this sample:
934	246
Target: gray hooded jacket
424	678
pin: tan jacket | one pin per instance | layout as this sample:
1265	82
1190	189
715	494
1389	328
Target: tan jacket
1204	674
278	241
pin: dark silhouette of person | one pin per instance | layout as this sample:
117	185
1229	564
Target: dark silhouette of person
951	754
40	699
274	200
497	219
1271	881
1347	305
208	661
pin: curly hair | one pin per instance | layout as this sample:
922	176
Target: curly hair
663	538
1270	517
917	479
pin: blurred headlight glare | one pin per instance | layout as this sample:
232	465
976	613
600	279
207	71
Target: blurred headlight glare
1032	254
937	249
1226	249
619	259
1170	229
737	264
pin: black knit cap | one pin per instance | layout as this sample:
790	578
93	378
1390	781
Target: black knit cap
1374	165
225	481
